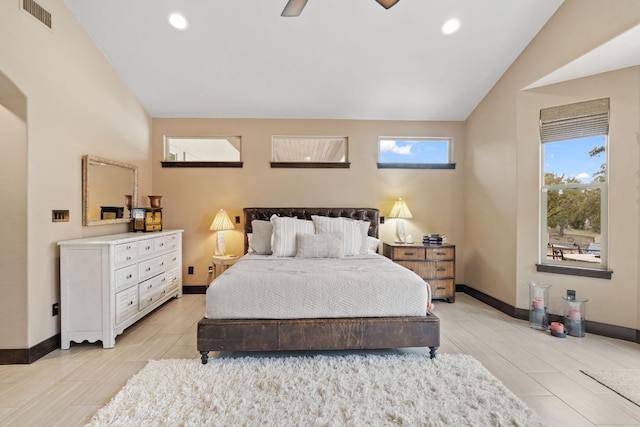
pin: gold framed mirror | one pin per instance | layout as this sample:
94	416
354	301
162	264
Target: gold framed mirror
108	186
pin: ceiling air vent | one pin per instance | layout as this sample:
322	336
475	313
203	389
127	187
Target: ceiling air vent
39	12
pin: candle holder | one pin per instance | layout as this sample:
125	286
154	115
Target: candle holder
574	315
539	303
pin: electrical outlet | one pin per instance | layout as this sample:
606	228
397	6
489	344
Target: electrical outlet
190	269
55	309
381	220
237	220
210	269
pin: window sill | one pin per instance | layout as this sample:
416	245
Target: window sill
308	165
187	164
416	165
575	271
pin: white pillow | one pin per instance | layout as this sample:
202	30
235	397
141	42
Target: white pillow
260	242
354	232
371	245
319	246
284	234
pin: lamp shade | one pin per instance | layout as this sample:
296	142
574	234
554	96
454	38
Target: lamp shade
221	222
400	210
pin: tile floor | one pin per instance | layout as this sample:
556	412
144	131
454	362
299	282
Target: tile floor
66	387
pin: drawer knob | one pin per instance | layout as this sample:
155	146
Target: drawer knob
409	253
441	269
128	246
148	269
149	286
440	288
147	248
128	258
129	276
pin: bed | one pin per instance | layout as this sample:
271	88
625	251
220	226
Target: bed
240	319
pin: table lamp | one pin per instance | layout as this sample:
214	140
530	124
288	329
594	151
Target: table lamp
400	210
221	223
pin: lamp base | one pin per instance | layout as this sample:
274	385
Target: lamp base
220	249
400	236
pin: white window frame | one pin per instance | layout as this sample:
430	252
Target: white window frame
566	123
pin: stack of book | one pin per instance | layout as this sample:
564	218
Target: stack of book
434	239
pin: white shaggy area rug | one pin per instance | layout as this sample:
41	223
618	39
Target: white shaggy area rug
624	382
319	390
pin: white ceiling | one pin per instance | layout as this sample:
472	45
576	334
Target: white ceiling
344	59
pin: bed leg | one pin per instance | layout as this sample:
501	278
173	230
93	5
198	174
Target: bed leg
432	352
204	357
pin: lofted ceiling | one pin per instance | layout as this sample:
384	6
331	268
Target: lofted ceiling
340	59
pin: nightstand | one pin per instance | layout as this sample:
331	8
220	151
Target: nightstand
436	264
222	262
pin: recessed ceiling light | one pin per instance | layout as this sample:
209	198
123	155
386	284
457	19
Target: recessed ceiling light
451	26
178	21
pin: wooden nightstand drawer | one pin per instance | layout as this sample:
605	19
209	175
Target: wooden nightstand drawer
441	288
439	254
439	270
407	253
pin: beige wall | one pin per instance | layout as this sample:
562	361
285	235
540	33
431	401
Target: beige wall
76	104
192	196
503	164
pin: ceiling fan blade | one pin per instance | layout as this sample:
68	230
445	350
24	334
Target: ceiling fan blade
294	8
387	3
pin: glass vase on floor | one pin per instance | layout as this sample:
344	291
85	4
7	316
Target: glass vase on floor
538	308
574	315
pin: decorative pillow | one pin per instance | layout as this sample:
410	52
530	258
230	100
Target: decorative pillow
260	242
371	245
284	234
319	246
354	232
250	241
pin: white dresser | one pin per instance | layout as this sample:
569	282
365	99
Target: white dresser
108	283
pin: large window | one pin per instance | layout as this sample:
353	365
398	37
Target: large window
574	185
414	153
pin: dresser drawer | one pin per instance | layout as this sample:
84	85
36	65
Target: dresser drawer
409	253
125	254
126	304
145	248
126	277
417	267
151	267
159	245
152	290
173	279
174	242
439	270
173	259
438	254
441	288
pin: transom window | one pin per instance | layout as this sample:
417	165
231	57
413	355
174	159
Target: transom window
212	151
418	153
310	151
574	185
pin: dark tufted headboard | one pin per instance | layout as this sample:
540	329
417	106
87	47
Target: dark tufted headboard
364	214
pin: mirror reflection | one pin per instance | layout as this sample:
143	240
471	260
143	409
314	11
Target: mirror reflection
109	190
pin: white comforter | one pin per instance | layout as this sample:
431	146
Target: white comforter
264	287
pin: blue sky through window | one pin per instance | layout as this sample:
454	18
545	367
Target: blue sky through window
571	158
414	151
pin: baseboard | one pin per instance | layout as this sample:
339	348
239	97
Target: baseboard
30	355
194	289
23	356
596	328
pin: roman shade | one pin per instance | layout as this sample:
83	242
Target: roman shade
579	120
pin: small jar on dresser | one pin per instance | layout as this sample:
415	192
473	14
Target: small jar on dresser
108	283
436	264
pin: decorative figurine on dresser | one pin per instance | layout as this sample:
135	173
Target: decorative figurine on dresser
147	219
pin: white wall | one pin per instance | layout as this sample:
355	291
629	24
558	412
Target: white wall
76	105
503	166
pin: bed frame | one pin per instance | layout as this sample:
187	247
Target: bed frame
316	334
